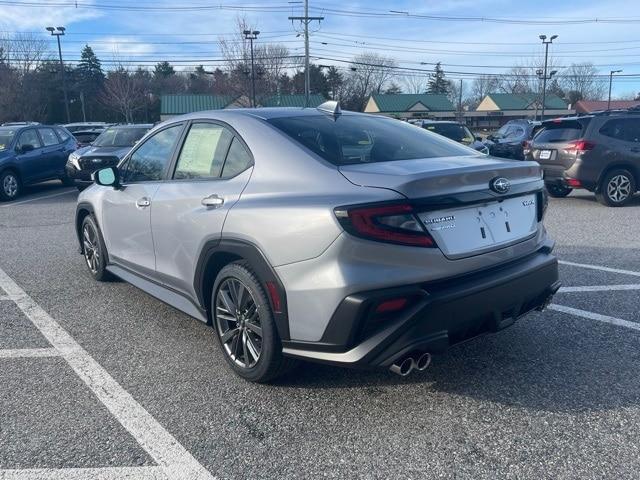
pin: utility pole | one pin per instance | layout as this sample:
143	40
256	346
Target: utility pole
251	36
58	32
546	44
610	82
305	21
460	102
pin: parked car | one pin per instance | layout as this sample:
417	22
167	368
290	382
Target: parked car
258	222
87	137
600	153
509	141
31	154
106	150
455	131
75	127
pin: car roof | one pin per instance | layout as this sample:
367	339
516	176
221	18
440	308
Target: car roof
264	113
135	125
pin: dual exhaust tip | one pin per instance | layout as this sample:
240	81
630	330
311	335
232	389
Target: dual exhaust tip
408	364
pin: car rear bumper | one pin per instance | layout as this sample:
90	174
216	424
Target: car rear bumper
438	314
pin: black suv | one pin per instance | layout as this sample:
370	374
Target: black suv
512	138
600	153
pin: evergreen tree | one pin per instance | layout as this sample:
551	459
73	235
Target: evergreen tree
163	70
437	82
89	81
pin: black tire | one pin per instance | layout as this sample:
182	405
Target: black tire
557	191
68	181
94	250
240	323
10	185
616	188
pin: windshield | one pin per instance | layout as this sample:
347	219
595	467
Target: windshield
6	136
351	139
120	137
456	132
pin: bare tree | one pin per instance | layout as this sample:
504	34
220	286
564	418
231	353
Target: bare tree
582	78
24	51
482	86
124	93
414	83
370	73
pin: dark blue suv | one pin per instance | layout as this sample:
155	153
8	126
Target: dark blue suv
31	154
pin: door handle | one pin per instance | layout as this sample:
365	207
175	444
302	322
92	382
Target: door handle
143	202
213	201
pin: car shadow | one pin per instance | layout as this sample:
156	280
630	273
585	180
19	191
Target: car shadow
548	362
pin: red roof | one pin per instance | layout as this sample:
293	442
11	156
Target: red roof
588	106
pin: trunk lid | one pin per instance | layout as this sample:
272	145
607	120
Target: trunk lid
440	176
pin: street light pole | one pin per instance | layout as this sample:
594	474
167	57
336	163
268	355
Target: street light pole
58	32
610	82
545	77
251	36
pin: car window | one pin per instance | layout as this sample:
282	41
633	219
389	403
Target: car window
29	137
6	136
203	152
149	162
626	129
120	136
48	136
456	132
560	132
64	136
352	139
238	159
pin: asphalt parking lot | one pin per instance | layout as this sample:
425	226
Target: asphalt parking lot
103	381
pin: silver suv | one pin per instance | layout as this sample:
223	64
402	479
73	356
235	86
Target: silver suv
322	235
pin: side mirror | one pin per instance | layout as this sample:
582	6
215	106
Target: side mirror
107	177
27	147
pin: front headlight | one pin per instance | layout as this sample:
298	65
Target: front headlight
74	159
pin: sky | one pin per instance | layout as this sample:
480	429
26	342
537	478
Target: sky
462	34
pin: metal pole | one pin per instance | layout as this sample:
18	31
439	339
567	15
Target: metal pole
307	76
544	79
64	84
610	82
253	77
460	102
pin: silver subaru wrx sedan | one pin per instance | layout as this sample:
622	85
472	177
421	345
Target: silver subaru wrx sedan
322	235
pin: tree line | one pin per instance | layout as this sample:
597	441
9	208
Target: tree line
30	86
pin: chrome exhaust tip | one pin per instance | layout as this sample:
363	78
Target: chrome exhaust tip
423	361
404	367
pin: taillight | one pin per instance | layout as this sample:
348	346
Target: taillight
394	223
579	146
526	147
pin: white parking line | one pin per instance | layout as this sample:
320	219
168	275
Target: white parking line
57	194
176	462
595	316
108	473
29	352
599	267
600	288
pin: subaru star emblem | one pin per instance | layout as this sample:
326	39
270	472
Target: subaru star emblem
500	185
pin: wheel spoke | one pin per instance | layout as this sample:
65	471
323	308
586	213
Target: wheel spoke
228	302
255	328
224	315
252	348
245	350
240	296
229	334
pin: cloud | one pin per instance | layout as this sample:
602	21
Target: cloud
14	18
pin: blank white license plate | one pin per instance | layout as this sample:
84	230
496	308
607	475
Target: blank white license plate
477	228
545	154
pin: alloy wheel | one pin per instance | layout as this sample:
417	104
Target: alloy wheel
10	185
619	188
91	248
238	323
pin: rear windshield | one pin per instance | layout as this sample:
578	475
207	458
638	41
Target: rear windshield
458	133
120	137
353	139
560	132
